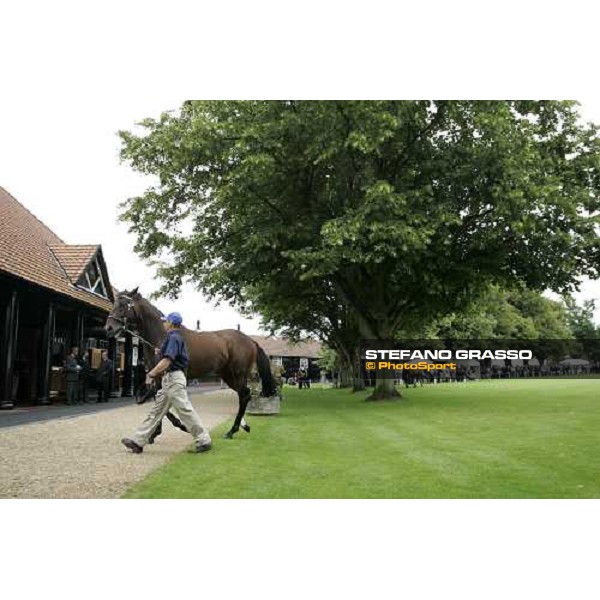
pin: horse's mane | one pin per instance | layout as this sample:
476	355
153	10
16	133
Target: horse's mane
148	305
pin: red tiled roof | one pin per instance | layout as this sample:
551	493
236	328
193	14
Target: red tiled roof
31	251
73	259
277	346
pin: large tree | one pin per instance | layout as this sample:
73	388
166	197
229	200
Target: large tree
406	211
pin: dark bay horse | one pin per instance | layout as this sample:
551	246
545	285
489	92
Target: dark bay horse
228	353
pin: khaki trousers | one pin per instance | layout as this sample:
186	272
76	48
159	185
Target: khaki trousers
172	395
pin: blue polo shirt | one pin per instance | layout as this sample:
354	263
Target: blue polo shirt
175	348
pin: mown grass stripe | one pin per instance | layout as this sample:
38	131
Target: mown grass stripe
502	439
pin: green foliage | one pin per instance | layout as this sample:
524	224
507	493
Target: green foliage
581	319
366	217
328	359
581	322
506	314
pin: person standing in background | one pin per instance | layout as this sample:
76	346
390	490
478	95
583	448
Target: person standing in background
84	373
103	377
72	370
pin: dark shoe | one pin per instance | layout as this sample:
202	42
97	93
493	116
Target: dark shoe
203	448
135	448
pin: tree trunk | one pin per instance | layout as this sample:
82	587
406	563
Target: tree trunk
384	380
384	389
359	384
345	377
359	381
384	383
346	370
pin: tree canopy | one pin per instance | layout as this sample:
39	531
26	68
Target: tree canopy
399	211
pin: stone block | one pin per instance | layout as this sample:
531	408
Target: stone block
264	406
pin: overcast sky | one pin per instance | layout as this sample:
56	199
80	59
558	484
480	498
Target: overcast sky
59	157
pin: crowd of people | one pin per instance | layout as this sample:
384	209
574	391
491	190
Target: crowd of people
462	374
508	372
421	377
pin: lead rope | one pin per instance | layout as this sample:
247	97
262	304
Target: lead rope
151	391
139	337
133	333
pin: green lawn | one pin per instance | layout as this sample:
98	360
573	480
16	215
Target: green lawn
502	439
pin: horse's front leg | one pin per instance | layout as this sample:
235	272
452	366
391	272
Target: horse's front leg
244	397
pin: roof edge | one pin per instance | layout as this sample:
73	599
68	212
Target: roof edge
27	210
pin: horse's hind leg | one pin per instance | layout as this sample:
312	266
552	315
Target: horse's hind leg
244	395
175	421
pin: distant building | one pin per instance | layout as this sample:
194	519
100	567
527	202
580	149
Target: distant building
52	296
290	355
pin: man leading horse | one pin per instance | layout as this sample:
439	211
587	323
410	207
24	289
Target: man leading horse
174	360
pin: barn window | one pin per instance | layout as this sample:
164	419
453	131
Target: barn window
91	279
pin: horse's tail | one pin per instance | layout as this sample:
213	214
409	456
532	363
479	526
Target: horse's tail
269	387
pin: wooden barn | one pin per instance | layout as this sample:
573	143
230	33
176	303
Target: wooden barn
52	296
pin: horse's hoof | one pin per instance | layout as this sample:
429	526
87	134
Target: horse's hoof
246	428
228	436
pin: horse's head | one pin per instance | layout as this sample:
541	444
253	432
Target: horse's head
124	314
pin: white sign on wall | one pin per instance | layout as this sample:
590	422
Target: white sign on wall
304	363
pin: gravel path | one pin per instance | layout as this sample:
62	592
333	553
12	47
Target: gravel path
82	457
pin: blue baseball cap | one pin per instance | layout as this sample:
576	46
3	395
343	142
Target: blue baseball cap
174	318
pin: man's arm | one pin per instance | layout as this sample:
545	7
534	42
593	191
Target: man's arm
160	368
169	353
